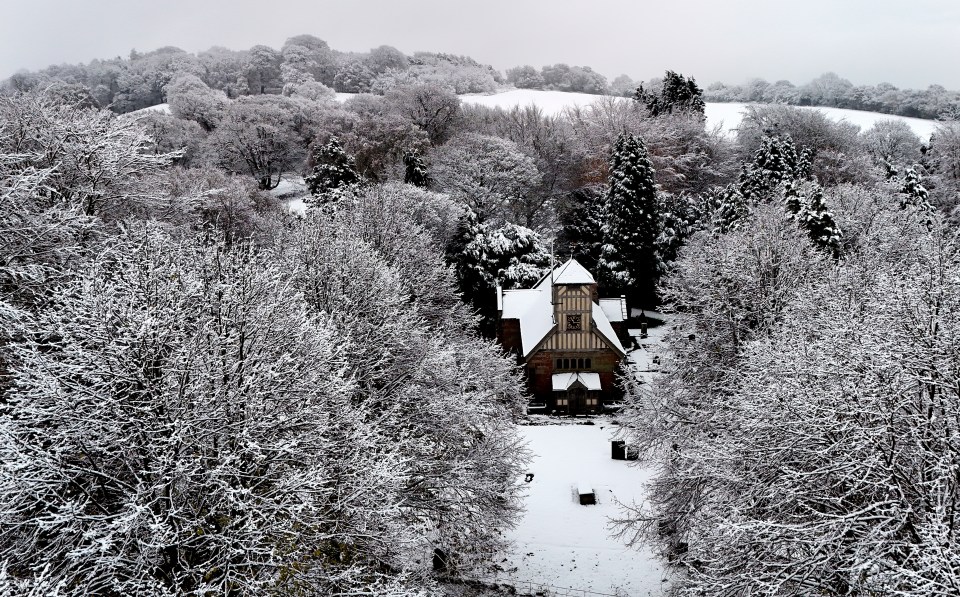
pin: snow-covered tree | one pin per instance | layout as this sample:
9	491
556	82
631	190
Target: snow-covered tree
431	107
582	233
258	136
483	255
491	176
333	171
415	170
198	436
733	288
913	191
676	94
777	161
818	460
442	398
191	99
97	163
806	204
630	260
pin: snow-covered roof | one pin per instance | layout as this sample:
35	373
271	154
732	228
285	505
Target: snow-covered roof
572	272
563	381
533	309
614	308
605	329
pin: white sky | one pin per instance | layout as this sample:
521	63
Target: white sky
910	44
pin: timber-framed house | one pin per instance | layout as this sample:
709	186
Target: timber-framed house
567	338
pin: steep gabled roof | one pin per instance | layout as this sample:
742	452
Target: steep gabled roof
572	272
534	309
606	330
535	312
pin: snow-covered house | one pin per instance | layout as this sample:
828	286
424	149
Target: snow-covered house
566	337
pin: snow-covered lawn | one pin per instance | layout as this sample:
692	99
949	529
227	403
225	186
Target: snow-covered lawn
561	543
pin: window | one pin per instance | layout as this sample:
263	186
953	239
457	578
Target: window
579	363
591	401
573	322
561	401
559	363
588	364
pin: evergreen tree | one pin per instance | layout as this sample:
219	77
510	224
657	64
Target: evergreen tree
483	255
776	161
678	94
333	169
723	208
813	215
630	261
416	170
679	217
913	191
581	234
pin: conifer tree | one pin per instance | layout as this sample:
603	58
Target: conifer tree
416	170
913	191
678	94
778	160
775	162
630	261
813	215
581	235
333	169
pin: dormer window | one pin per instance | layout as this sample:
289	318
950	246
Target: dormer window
574	321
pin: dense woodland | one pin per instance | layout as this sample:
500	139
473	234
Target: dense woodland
202	393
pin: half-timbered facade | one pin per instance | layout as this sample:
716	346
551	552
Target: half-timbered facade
563	334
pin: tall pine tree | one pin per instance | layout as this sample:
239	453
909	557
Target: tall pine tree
630	262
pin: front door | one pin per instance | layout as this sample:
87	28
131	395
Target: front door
577	399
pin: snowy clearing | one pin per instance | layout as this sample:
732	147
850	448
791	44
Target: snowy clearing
561	543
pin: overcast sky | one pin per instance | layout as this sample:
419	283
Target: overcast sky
908	43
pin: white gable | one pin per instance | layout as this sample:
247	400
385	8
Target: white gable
572	272
563	381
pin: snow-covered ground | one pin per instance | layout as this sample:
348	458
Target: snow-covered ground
161	108
292	190
563	544
728	116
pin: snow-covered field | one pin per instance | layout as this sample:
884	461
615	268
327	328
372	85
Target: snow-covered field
726	115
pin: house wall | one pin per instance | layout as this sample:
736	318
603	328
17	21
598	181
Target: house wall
541	366
508	335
